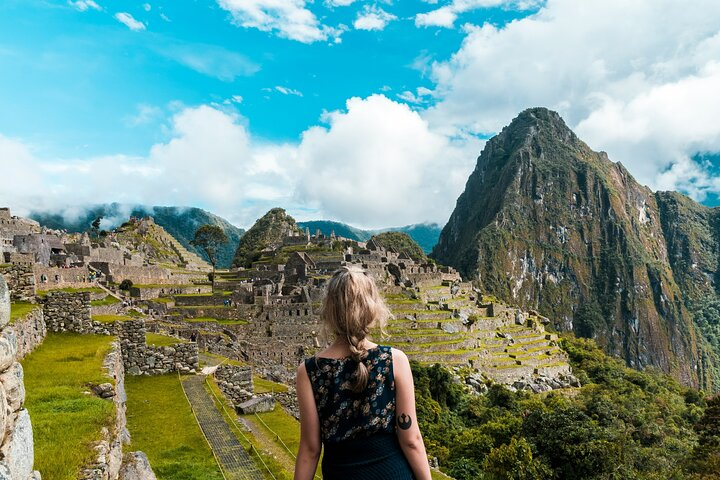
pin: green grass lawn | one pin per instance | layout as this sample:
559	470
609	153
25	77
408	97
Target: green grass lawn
71	290
20	309
162	425
109	300
65	418
262	385
158	340
111	318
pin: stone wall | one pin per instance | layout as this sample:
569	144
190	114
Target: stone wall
30	331
140	358
20	280
55	277
108	461
235	382
16	438
68	312
146	275
165	290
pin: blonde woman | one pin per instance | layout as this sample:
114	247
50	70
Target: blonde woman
356	398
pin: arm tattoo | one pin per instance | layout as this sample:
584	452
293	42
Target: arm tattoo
404	421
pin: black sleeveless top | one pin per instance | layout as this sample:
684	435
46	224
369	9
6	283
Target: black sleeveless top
344	414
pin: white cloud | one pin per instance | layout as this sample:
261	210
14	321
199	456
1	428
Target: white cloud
288	18
211	60
373	18
376	164
379	164
339	3
445	16
147	7
129	21
145	114
165	17
641	90
288	91
84	5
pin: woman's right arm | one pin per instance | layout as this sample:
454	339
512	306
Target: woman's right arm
408	431
310	446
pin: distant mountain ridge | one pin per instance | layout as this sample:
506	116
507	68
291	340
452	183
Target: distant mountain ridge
547	223
425	234
180	222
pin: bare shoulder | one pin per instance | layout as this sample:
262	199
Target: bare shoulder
301	371
400	361
398	354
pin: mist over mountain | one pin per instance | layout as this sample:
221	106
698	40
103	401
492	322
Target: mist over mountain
546	223
180	222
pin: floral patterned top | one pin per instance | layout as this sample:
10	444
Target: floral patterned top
345	414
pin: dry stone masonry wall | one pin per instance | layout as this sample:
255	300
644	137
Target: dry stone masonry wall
143	359
20	280
235	382
16	438
30	331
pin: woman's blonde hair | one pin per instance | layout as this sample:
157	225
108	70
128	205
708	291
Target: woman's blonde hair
353	306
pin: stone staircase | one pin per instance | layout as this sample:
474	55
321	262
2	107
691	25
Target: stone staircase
191	260
456	326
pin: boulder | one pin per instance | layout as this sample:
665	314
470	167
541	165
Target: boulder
4	303
19	451
12	383
257	405
136	466
104	390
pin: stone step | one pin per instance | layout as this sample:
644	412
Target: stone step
442	346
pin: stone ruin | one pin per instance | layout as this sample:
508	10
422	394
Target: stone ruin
16	437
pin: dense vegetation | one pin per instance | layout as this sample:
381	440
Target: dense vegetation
622	424
402	243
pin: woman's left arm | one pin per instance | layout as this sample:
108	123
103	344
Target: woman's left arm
310	446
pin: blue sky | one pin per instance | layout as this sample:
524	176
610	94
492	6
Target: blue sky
80	82
368	112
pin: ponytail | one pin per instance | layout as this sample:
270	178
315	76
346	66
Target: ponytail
353	306
359	354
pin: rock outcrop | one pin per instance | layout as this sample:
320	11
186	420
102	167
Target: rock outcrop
548	224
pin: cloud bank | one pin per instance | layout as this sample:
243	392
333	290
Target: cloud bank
374	164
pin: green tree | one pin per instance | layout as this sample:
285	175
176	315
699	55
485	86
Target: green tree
514	461
704	463
209	238
95	226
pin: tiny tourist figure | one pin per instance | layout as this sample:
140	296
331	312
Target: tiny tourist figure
356	398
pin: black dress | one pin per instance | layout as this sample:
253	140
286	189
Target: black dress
358	429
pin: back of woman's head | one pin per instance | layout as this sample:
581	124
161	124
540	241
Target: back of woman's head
351	308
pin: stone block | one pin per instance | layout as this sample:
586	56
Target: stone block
4	303
8	348
257	405
19	450
12	381
136	466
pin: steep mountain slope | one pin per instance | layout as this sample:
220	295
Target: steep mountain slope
180	222
269	230
401	242
547	223
425	234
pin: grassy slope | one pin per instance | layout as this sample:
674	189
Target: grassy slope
20	309
66	419
162	425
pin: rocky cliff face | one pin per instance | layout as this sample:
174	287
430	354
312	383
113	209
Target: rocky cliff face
548	224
